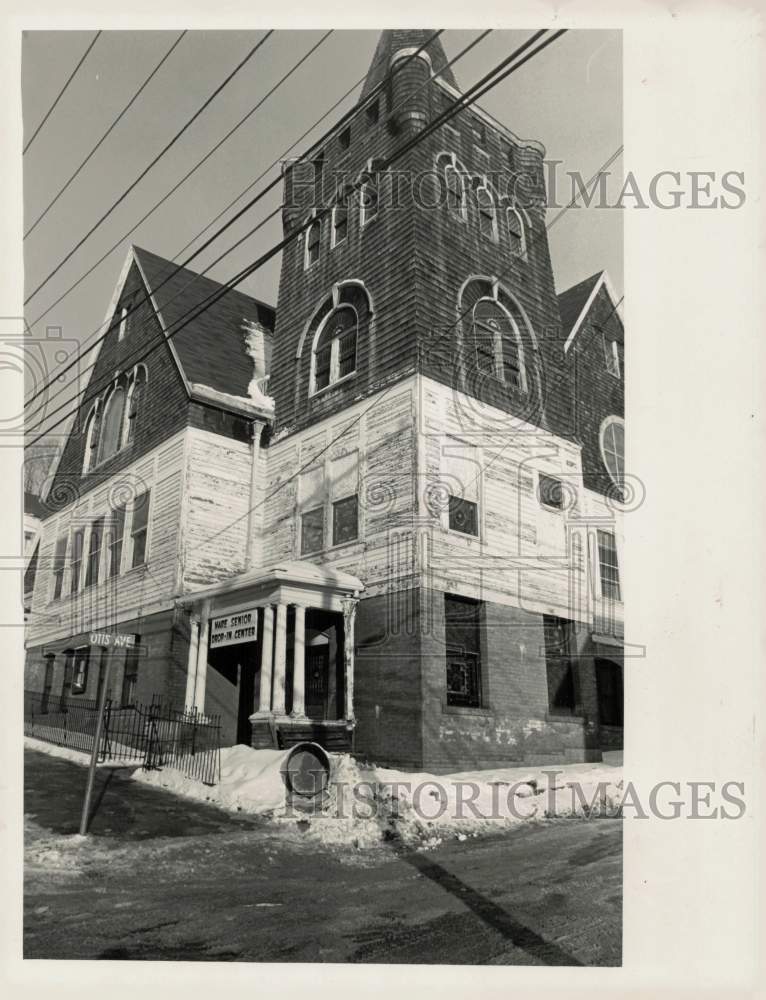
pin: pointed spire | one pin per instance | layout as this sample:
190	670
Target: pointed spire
391	42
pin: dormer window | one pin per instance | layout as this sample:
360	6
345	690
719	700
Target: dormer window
313	235
335	351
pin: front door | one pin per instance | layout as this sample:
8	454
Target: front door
317	669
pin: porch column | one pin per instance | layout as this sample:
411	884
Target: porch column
299	663
349	617
267	659
280	654
201	679
191	663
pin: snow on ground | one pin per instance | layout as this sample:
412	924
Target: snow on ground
367	804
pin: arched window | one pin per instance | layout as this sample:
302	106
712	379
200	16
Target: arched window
612	444
498	343
339	223
313	236
487	212
91	438
335	350
454	180
111	431
516	232
135	395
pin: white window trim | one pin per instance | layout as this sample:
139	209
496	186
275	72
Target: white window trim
602	596
614	368
446	162
128	530
306	264
328	499
522	254
107	398
606	423
334	353
333	242
484	187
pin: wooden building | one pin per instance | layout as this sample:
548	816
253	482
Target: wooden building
389	513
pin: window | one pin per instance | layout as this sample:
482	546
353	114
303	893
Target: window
339	223
313	235
463	516
612	357
130	677
139	528
344	138
368	200
498	343
455	193
372	113
562	683
111	431
607	560
550	492
609	689
487	216
463	619
123	322
66	686
50	662
134	402
612	443
116	532
479	131
318	165
80	672
59	564
312	531
516	232
345	518
94	552
335	351
77	546
92	426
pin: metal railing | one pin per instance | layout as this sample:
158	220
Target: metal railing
153	736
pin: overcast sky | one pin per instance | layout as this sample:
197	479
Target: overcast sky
569	98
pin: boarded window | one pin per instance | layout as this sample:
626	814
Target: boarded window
463	620
609	569
312	531
140	528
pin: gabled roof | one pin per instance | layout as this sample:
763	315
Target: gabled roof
211	347
391	42
575	303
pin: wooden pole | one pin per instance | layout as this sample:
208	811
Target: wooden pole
96	743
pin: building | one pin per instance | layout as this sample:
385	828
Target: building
389	513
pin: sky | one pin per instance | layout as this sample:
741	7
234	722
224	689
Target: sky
569	98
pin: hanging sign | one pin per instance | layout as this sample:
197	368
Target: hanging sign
231	629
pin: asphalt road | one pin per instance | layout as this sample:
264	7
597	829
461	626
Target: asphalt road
162	878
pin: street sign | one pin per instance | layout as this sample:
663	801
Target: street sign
232	629
112	639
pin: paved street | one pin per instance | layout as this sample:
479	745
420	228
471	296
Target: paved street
163	878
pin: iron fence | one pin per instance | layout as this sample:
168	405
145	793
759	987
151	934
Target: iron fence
152	736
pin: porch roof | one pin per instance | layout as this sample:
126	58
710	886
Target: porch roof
290	573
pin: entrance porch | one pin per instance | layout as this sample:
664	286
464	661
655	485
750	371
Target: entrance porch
272	651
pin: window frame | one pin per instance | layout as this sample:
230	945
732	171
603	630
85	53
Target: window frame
456	501
315	224
115	541
143	530
335	504
521	254
366	216
75	564
136	391
334	241
108	404
608	582
334	376
59	570
612	357
607	424
458	653
560	659
81	657
94	555
485	189
320	508
500	366
544	477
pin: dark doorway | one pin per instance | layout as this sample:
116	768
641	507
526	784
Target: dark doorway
317	681
232	690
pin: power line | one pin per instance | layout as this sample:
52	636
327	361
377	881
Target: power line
146	169
116	122
399	66
466	99
60	94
